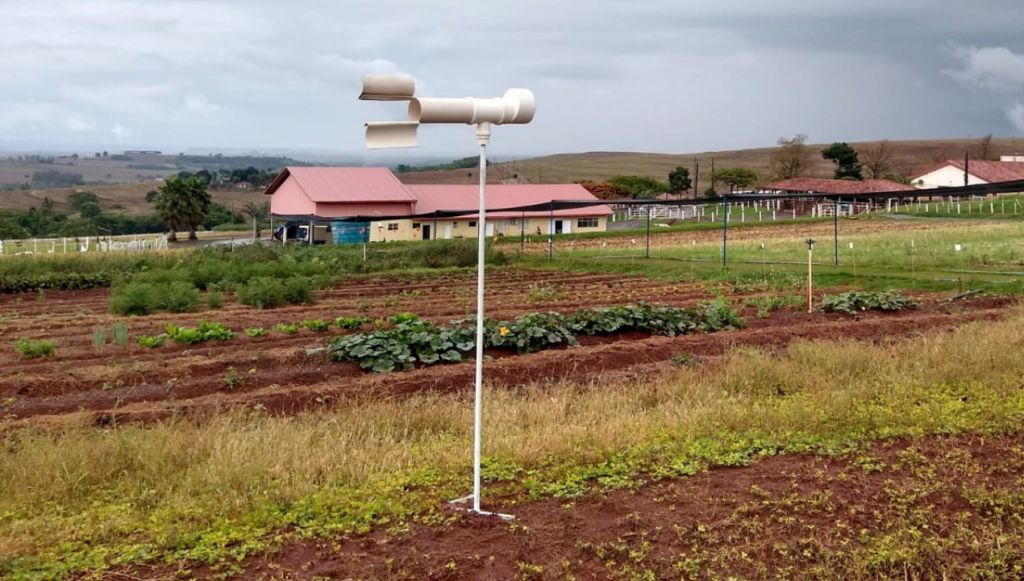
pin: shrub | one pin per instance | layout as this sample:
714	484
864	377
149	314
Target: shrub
178	297
262	292
854	302
214	299
297	291
30	349
315	325
119	331
352	323
205	332
134	298
256	332
399	318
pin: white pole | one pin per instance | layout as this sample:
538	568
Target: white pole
483	136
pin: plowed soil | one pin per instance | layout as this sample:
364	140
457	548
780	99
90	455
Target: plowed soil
81	383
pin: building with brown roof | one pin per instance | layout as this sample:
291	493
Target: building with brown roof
840	187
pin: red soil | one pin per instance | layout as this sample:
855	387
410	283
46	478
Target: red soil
81	384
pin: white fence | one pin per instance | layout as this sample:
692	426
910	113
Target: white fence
137	243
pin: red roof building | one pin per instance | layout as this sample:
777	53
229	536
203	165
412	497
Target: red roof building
950	173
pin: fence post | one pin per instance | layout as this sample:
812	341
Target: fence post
835	227
649	230
725	230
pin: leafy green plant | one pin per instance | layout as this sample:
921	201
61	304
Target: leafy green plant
30	349
530	333
363	307
256	332
99	339
119	332
232	379
315	325
288	329
854	302
403	346
352	323
205	332
399	318
151	341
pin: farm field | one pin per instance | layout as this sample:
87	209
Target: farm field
123	384
257	457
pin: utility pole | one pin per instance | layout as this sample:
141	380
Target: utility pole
696	178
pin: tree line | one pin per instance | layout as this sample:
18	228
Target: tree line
793	158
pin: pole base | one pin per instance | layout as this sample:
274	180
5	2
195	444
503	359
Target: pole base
468	499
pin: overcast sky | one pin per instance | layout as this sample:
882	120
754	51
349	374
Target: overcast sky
647	75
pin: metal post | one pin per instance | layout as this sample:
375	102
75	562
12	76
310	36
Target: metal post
522	234
835	227
551	233
725	230
648	231
483	134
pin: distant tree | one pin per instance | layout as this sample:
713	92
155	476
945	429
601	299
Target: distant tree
792	159
74	156
105	154
98	155
711	193
737	178
12	231
90	210
182	203
76	227
257	211
848	166
47	203
639	186
679	180
983	149
78	199
206	175
879	159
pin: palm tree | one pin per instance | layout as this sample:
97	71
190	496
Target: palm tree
258	211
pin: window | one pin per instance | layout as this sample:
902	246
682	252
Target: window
415	225
586	223
472	224
513	221
455	224
393	226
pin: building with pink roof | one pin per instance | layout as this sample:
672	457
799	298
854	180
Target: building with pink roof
417	212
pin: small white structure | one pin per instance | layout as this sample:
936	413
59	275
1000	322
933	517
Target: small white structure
950	173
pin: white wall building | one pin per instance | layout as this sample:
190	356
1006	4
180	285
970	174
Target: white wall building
950	174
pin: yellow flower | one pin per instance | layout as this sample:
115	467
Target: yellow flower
504	331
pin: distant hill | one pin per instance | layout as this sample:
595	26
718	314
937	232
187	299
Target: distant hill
600	165
127	198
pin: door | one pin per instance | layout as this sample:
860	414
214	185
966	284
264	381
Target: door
558	226
489	229
566	226
426	231
447	231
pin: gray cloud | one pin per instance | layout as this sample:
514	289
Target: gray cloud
652	75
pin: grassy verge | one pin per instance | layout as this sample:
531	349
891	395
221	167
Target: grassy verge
238	483
685	226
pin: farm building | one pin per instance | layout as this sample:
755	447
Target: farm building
841	187
951	173
304	195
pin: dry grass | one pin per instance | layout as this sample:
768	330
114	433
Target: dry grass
247	472
598	166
